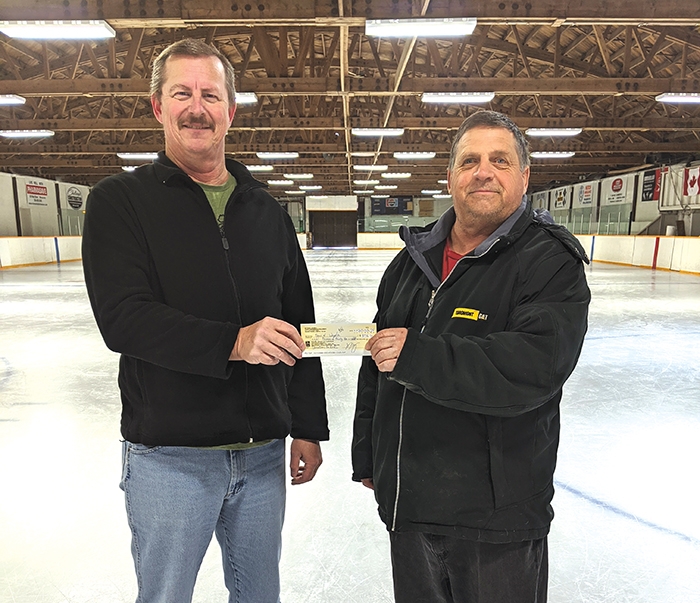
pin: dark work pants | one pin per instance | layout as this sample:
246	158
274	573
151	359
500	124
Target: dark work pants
441	569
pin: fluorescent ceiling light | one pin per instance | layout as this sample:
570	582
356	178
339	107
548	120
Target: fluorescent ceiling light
129	168
380	196
260	168
363	192
293	193
447	98
278	155
368	182
12	99
442	181
397	175
552	154
246	98
679	97
138	156
417	155
299	176
442	196
386	187
362	154
423	28
371	168
57	30
428	191
377	132
310	187
553	131
26	133
317	197
278	182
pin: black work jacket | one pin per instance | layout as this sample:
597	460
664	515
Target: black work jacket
170	291
461	437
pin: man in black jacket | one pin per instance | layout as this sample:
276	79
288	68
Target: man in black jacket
480	322
196	278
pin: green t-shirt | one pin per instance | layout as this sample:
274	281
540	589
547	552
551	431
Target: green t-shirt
218	196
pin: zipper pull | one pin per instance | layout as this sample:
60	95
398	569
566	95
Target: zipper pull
430	307
432	299
224	241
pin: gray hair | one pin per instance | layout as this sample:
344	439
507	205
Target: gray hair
492	119
191	47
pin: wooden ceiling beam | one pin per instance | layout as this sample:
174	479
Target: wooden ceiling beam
242	123
167	13
368	86
603	148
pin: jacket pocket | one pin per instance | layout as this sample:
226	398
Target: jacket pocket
502	491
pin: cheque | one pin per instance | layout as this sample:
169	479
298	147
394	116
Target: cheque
342	339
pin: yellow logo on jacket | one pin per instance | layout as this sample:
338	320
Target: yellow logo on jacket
469	314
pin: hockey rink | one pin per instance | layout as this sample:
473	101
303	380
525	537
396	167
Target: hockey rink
627	525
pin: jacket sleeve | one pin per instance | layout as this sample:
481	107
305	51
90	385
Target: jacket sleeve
120	283
513	371
306	391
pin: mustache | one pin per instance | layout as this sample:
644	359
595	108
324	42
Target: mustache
195	120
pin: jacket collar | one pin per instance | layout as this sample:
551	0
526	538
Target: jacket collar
166	171
420	241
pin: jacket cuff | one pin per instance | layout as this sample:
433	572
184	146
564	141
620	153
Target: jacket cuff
402	371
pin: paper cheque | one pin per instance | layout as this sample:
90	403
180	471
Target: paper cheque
342	339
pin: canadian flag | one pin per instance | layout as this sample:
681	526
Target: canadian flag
691	182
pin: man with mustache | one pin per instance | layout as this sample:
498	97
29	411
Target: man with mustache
196	278
480	322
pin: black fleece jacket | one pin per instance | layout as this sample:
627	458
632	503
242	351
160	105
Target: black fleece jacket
461	437
170	291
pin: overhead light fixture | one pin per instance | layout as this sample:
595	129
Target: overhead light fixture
380	196
138	156
310	187
363	192
371	168
246	98
129	168
57	30
553	131
260	168
299	176
448	98
397	175
428	191
440	196
12	99
416	155
679	97
293	193
377	132
420	28
278	155
552	154
442	181
26	133
368	182
316	197
386	187
362	154
278	182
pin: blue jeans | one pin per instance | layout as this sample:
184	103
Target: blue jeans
177	497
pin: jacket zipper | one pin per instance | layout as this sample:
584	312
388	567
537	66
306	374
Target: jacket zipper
403	401
226	246
431	301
